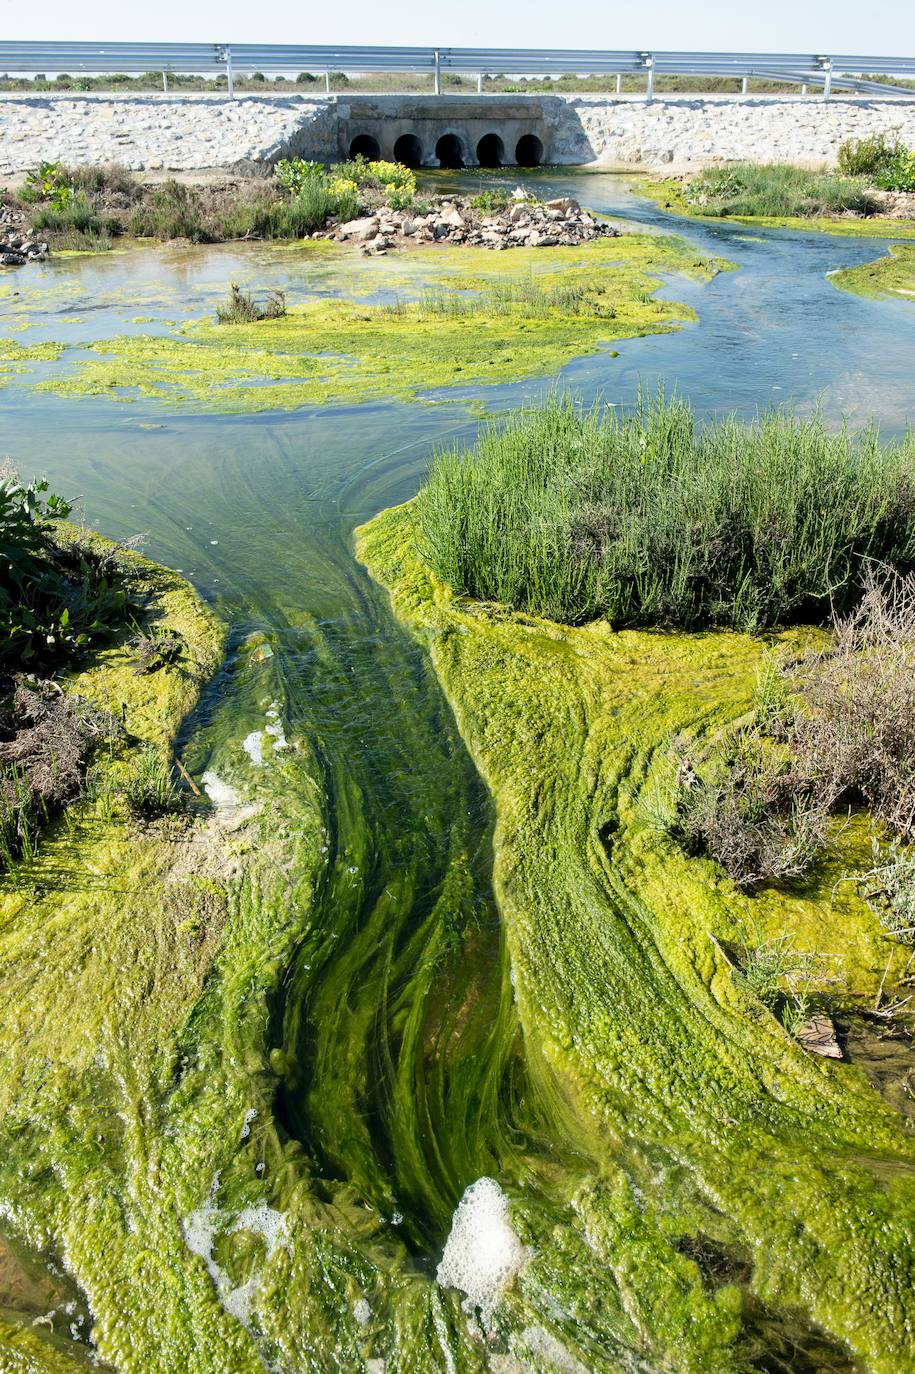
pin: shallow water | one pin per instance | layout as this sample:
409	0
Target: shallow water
258	511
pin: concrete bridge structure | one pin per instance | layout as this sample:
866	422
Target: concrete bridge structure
448	131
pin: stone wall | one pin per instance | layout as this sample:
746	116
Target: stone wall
187	133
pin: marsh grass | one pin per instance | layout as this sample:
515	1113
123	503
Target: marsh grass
775	191
520	296
149	787
242	307
171	211
650	519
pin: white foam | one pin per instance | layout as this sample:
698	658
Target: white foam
200	1230
253	746
482	1254
362	1312
219	792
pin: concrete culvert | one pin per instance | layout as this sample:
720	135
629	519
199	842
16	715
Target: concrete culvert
490	151
528	151
409	151
363	145
449	152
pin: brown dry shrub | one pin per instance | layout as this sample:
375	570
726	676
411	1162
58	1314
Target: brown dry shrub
853	733
759	796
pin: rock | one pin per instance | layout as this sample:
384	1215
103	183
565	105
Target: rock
407	227
546	241
359	230
518	213
565	203
818	1035
452	217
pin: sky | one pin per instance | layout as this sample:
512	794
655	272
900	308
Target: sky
881	27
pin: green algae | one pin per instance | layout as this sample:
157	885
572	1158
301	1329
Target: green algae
892	276
16	358
668	194
624	990
334	351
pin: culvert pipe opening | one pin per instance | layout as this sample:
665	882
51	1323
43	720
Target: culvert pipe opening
449	152
490	151
408	150
529	151
363	145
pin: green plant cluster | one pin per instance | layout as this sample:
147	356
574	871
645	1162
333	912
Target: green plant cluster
885	163
490	202
55	597
646	518
772	190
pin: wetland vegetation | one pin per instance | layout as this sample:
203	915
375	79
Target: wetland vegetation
444	992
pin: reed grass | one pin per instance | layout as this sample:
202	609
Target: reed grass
650	519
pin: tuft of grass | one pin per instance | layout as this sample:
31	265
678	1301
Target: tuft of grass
149	787
775	190
243	308
650	519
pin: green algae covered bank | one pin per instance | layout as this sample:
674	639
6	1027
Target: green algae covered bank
457	317
709	1130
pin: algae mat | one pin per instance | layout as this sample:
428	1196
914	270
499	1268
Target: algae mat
483	318
705	1119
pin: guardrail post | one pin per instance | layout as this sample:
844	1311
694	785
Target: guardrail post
438	72
479	83
649	89
827	84
229	81
804	88
744	85
165	81
327	83
619	83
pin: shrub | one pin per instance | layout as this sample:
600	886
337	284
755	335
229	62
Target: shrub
854	727
170	211
742	806
55	598
293	174
72	213
837	727
649	519
888	165
242	308
43	181
47	737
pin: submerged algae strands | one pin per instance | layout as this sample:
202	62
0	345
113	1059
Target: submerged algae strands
639	1020
323	352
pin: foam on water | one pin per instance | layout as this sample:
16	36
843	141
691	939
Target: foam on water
201	1229
482	1254
219	792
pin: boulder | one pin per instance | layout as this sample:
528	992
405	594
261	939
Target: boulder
359	230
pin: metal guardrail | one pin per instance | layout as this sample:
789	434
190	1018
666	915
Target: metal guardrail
832	72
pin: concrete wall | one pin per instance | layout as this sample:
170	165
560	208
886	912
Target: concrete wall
188	133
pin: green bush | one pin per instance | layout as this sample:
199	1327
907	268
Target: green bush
74	214
490	202
772	190
887	165
55	597
171	211
650	519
